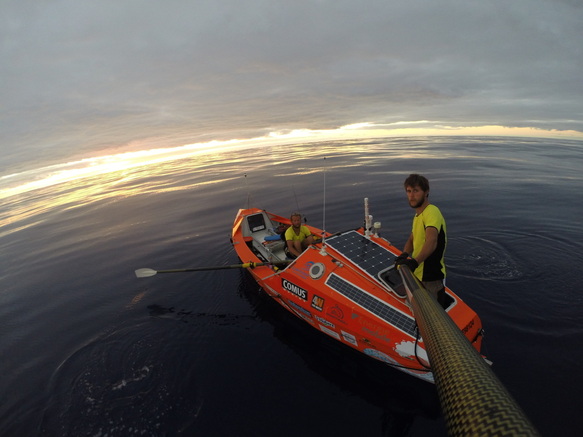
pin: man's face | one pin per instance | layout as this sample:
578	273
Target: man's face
296	221
416	196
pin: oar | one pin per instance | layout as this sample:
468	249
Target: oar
145	273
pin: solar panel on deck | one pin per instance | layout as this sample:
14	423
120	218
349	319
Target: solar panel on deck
386	312
364	252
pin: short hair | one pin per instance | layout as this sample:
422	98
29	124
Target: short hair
416	180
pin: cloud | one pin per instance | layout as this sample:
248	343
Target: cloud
84	77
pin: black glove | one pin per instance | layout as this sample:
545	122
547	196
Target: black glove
404	259
399	260
411	263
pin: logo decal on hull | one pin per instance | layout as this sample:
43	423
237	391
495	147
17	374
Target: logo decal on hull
336	312
318	302
294	289
299	308
325	322
381	356
303	270
349	338
330	332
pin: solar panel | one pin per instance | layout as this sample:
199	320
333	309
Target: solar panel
362	251
386	312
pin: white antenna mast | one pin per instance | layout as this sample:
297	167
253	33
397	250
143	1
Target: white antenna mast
323	249
367	219
248	193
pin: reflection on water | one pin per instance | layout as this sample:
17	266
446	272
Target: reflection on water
402	400
71	185
90	350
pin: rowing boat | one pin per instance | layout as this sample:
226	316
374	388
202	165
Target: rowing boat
346	286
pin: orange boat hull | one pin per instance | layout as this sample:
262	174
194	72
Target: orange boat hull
334	287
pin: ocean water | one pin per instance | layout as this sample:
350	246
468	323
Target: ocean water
87	349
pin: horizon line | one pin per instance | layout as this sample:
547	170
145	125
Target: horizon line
53	174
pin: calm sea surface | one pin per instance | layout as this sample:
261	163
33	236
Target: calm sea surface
86	349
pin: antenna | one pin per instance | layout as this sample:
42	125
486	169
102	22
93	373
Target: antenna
323	250
298	204
367	219
248	192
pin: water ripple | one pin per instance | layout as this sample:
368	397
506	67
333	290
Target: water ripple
482	259
119	385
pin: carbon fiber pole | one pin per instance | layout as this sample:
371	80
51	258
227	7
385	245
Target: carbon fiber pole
474	401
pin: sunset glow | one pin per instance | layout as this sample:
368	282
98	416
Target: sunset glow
19	183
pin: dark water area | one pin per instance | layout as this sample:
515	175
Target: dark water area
87	349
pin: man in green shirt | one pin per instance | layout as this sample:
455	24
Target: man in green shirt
297	236
427	241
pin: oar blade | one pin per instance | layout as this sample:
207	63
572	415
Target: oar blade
145	273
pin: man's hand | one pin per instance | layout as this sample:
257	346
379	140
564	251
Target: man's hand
404	259
401	258
411	263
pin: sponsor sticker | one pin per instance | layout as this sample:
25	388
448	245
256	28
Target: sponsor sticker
376	334
295	306
349	338
336	312
318	303
370	327
303	270
381	356
330	332
294	289
325	322
468	327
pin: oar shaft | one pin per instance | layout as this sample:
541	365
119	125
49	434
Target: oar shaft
144	273
202	269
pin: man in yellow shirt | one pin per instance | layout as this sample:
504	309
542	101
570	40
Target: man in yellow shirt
297	236
427	240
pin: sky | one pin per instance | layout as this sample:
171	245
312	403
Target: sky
81	78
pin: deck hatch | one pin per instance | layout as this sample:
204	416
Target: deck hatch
386	312
364	252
